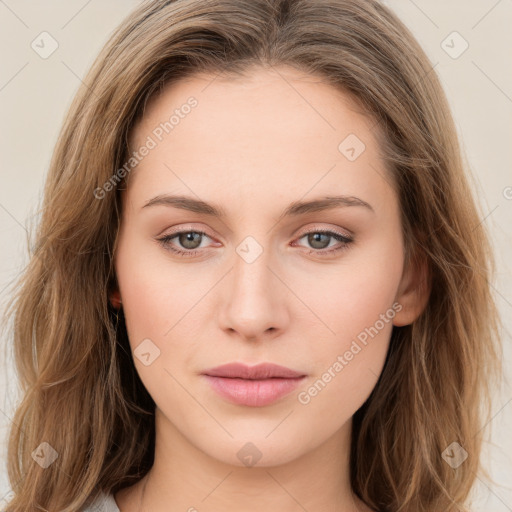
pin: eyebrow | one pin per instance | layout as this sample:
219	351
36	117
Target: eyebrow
294	209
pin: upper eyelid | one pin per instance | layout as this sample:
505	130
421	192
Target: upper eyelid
315	228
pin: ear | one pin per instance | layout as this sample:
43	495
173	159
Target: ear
115	299
413	291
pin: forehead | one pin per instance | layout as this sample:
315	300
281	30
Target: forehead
274	126
273	97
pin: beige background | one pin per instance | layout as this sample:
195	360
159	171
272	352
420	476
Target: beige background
35	93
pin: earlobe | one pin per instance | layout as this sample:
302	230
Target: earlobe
115	299
413	292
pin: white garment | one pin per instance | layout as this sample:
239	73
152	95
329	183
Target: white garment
104	503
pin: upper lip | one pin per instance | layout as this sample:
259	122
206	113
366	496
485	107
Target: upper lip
259	371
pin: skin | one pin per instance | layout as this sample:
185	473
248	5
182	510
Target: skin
254	145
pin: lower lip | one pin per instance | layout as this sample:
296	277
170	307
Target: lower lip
254	393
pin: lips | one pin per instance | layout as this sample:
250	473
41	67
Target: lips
253	386
260	371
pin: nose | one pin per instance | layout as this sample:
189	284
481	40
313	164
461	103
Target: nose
254	303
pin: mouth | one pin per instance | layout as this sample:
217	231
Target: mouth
253	386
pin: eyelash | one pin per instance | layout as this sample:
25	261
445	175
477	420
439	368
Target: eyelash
346	241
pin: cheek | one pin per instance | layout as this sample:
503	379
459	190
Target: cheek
154	295
351	296
367	292
359	308
347	367
157	301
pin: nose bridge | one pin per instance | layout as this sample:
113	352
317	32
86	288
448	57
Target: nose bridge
251	267
254	302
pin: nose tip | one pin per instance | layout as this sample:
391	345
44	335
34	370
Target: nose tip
254	306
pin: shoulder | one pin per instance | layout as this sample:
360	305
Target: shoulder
104	503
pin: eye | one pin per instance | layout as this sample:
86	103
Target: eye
319	241
189	240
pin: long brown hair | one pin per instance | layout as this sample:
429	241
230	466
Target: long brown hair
81	393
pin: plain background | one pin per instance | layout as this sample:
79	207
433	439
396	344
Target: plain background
35	94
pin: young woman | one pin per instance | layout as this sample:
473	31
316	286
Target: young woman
260	279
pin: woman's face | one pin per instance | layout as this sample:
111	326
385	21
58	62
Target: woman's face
263	284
